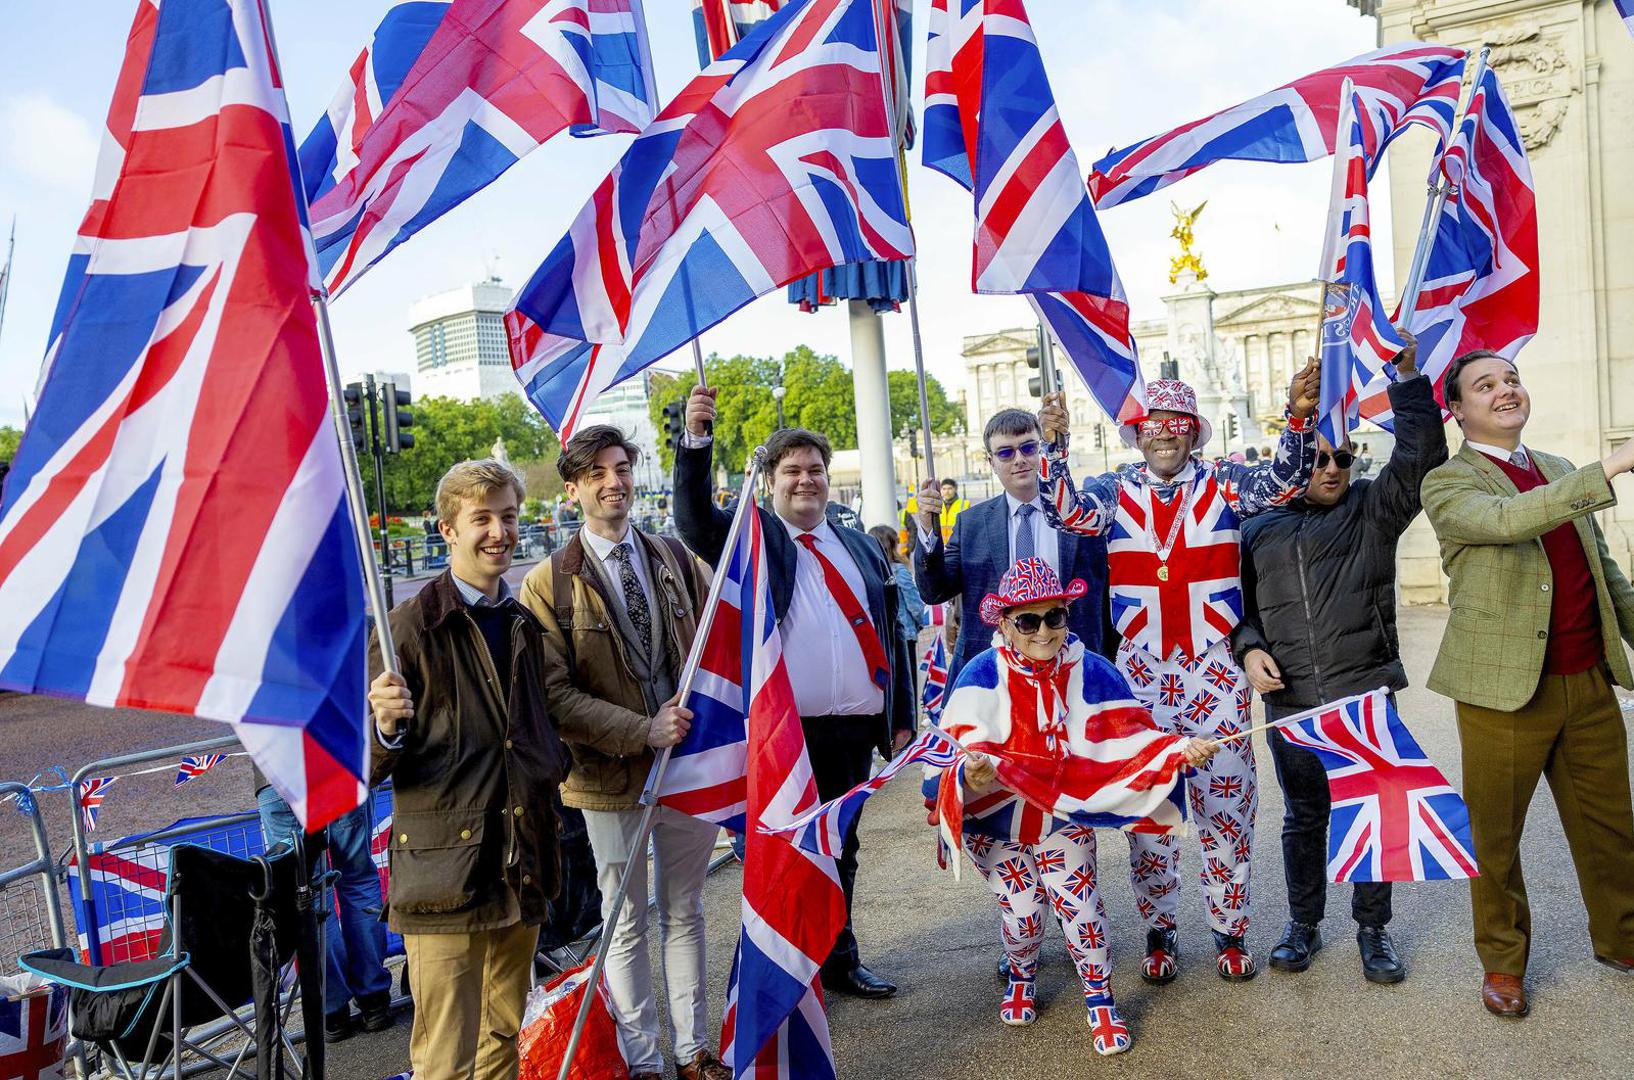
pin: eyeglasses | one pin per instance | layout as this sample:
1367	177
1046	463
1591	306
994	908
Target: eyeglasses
1174	425
1026	449
1028	622
1342	458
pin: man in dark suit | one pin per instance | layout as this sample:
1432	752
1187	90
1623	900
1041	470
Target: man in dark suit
989	537
835	603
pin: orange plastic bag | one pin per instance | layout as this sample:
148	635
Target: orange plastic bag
547	1024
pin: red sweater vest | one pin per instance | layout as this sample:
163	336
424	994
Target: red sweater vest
1575	643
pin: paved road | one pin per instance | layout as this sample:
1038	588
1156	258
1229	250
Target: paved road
938	939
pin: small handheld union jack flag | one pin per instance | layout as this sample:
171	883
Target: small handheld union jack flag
91	794
195	766
934	669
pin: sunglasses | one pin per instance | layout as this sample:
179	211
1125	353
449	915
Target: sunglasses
1028	622
1174	425
1008	453
1342	458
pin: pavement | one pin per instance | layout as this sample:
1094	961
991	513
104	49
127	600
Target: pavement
938	939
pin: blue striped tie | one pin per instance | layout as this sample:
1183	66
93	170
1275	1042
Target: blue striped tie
1026	539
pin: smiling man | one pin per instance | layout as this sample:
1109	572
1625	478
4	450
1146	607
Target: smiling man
1529	656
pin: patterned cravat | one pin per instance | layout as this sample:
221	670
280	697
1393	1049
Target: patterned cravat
1517	458
1026	538
635	601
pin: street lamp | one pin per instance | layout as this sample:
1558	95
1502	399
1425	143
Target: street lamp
777	395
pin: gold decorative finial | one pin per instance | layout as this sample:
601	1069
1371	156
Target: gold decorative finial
1188	260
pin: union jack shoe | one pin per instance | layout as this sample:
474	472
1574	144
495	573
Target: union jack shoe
1162	956
1235	961
1017	1009
1107	1026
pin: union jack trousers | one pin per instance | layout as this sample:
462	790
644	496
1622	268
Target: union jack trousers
1209	697
1031	880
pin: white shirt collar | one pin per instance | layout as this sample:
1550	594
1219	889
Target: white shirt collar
1497	451
475	597
824	532
602	547
1014	504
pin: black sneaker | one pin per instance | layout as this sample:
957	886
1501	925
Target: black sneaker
1380	964
338	1026
1299	945
376	1010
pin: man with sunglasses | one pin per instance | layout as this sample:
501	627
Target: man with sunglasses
1319	624
1172	523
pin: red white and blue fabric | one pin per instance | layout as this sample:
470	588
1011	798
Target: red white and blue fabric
193	767
167	540
1029	581
718	25
91	794
447	96
1394	816
777	160
933	673
1480	287
991	125
34	1035
743	764
1400	85
1625	8
1357	340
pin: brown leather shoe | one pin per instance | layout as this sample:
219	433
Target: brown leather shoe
705	1066
1504	995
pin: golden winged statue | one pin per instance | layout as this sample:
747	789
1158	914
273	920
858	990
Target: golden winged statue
1187	260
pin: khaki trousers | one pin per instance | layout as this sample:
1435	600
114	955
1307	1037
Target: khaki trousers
1571	733
469	991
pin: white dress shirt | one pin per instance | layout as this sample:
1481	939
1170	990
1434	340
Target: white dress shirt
602	548
1500	453
825	663
1046	541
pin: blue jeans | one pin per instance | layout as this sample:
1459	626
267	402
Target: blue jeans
355	965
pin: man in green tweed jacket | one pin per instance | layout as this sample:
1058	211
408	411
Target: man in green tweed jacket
1530	653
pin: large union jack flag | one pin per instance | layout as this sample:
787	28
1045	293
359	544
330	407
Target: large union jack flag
776	161
447	96
1480	288
1357	340
1394	817
744	764
174	533
1400	85
991	124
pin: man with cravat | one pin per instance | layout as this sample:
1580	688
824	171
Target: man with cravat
835	603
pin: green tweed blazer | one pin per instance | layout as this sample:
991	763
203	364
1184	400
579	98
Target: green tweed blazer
1492	652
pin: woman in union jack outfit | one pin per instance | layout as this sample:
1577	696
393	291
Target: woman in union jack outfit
1049	709
1174	560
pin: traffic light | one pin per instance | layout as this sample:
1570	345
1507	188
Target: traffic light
354	398
1100	437
1231	426
674	423
392	401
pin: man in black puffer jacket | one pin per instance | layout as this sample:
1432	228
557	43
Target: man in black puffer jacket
1319	624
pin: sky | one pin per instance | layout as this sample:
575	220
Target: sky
1122	70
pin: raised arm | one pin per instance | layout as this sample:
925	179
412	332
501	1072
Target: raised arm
703	525
1463	511
938	569
1392	500
1088	511
1254	489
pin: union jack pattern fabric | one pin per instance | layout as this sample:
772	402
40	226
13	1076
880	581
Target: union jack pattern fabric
718	25
1400	85
1357	340
1394	816
933	672
167	540
743	764
193	767
777	160
91	794
447	96
34	1035
991	125
1480	286
1625	8
1223	793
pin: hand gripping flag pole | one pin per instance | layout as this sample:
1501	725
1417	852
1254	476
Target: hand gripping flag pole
655	778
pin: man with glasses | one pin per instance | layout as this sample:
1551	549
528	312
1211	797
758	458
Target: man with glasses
1319	624
1172	528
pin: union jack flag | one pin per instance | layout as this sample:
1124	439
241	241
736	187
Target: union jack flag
1400	85
1357	339
447	96
718	25
1394	816
1625	8
933	668
777	160
91	794
1199	708
168	540
34	1034
1480	285
193	767
992	126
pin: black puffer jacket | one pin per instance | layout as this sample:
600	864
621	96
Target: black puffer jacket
1319	582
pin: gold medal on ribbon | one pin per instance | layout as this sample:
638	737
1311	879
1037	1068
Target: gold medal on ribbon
1163	572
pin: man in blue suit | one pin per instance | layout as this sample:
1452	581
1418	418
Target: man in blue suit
989	537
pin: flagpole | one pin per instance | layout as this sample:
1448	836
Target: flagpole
1325	271
5	274
919	362
655	777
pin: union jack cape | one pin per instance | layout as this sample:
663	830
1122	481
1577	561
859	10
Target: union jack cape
1394	816
1400	85
775	161
174	533
447	96
991	125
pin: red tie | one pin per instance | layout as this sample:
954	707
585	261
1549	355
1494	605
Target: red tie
873	654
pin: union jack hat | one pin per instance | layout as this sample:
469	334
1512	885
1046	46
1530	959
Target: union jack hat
1171	395
1028	582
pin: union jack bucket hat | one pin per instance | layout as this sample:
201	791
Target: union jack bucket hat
1171	395
1028	582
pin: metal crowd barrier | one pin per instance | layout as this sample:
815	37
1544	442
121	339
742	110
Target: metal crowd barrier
30	907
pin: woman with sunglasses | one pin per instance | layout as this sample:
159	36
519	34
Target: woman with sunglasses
1038	696
1172	523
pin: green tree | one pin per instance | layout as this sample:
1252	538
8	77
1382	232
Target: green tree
946	418
448	431
9	438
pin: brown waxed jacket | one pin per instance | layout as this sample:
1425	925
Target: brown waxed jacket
474	824
594	696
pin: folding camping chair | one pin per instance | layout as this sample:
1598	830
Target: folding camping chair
145	1010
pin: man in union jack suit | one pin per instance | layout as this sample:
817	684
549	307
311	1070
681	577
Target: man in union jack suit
1174	570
